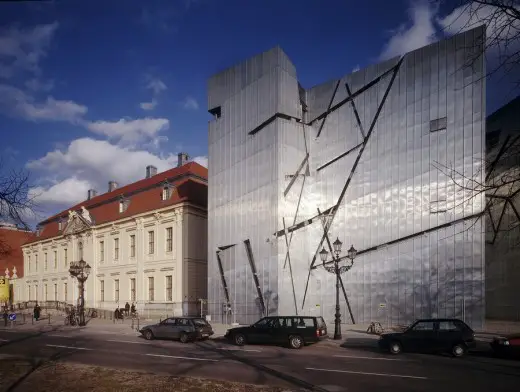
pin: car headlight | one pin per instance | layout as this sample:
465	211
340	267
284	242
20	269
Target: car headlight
505	342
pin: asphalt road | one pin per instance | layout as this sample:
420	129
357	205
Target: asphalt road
358	366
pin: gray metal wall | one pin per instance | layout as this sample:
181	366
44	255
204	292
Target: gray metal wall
398	191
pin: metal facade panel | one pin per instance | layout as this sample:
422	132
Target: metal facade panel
398	192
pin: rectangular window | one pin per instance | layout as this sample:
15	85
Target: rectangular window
29	293
132	245
102	288
45	293
101	251
121	206
169	294
116	248
151	289
65	292
132	289
166	193
36	292
151	242
438	124
45	263
65	258
55	291
116	292
55	259
169	239
29	262
36	262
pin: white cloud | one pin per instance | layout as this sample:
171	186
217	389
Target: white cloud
156	85
89	164
36	85
190	104
356	68
408	37
130	131
22	49
148	105
15	102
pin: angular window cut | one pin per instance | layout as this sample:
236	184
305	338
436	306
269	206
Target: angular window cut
438	124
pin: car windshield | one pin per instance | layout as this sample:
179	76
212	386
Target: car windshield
199	322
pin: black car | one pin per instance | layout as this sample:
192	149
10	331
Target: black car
508	345
184	329
296	331
431	335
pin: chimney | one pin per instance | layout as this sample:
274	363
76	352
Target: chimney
91	194
182	158
150	171
112	186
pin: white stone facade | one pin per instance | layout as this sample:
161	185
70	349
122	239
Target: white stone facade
129	263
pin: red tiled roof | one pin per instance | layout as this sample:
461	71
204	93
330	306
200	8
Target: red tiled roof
11	251
190	185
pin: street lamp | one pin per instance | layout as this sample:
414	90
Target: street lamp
80	270
338	270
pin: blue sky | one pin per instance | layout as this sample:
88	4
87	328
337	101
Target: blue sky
92	93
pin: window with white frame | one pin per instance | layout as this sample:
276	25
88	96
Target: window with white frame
45	262
169	288
132	245
151	242
102	290
151	289
36	263
45	293
55	291
169	239
65	258
36	292
29	262
116	290
132	289
116	248
80	250
55	259
65	293
166	192
29	292
101	251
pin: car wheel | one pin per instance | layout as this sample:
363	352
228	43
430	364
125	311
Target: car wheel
395	348
458	350
296	342
184	338
148	335
239	339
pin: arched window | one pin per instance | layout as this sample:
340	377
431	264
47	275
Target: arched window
80	250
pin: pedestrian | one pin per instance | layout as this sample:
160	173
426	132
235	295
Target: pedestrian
127	308
36	311
132	309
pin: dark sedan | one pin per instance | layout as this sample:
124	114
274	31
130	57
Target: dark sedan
185	329
431	335
508	345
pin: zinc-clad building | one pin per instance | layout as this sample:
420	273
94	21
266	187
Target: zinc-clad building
370	157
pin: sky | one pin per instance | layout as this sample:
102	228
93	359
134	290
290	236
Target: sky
94	91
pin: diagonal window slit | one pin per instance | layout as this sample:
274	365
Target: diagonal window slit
293	179
338	157
328	108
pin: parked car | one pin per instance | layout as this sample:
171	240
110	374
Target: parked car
508	345
185	329
431	335
296	331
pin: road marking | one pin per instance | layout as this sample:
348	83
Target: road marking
238	349
126	341
190	358
376	358
75	348
368	374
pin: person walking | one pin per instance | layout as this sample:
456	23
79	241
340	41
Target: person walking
127	308
36	311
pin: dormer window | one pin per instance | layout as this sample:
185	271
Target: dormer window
60	225
39	230
123	204
166	192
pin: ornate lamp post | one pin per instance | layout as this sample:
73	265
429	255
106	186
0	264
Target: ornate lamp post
80	270
338	270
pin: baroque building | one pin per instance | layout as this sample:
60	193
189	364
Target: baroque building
365	158
146	243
